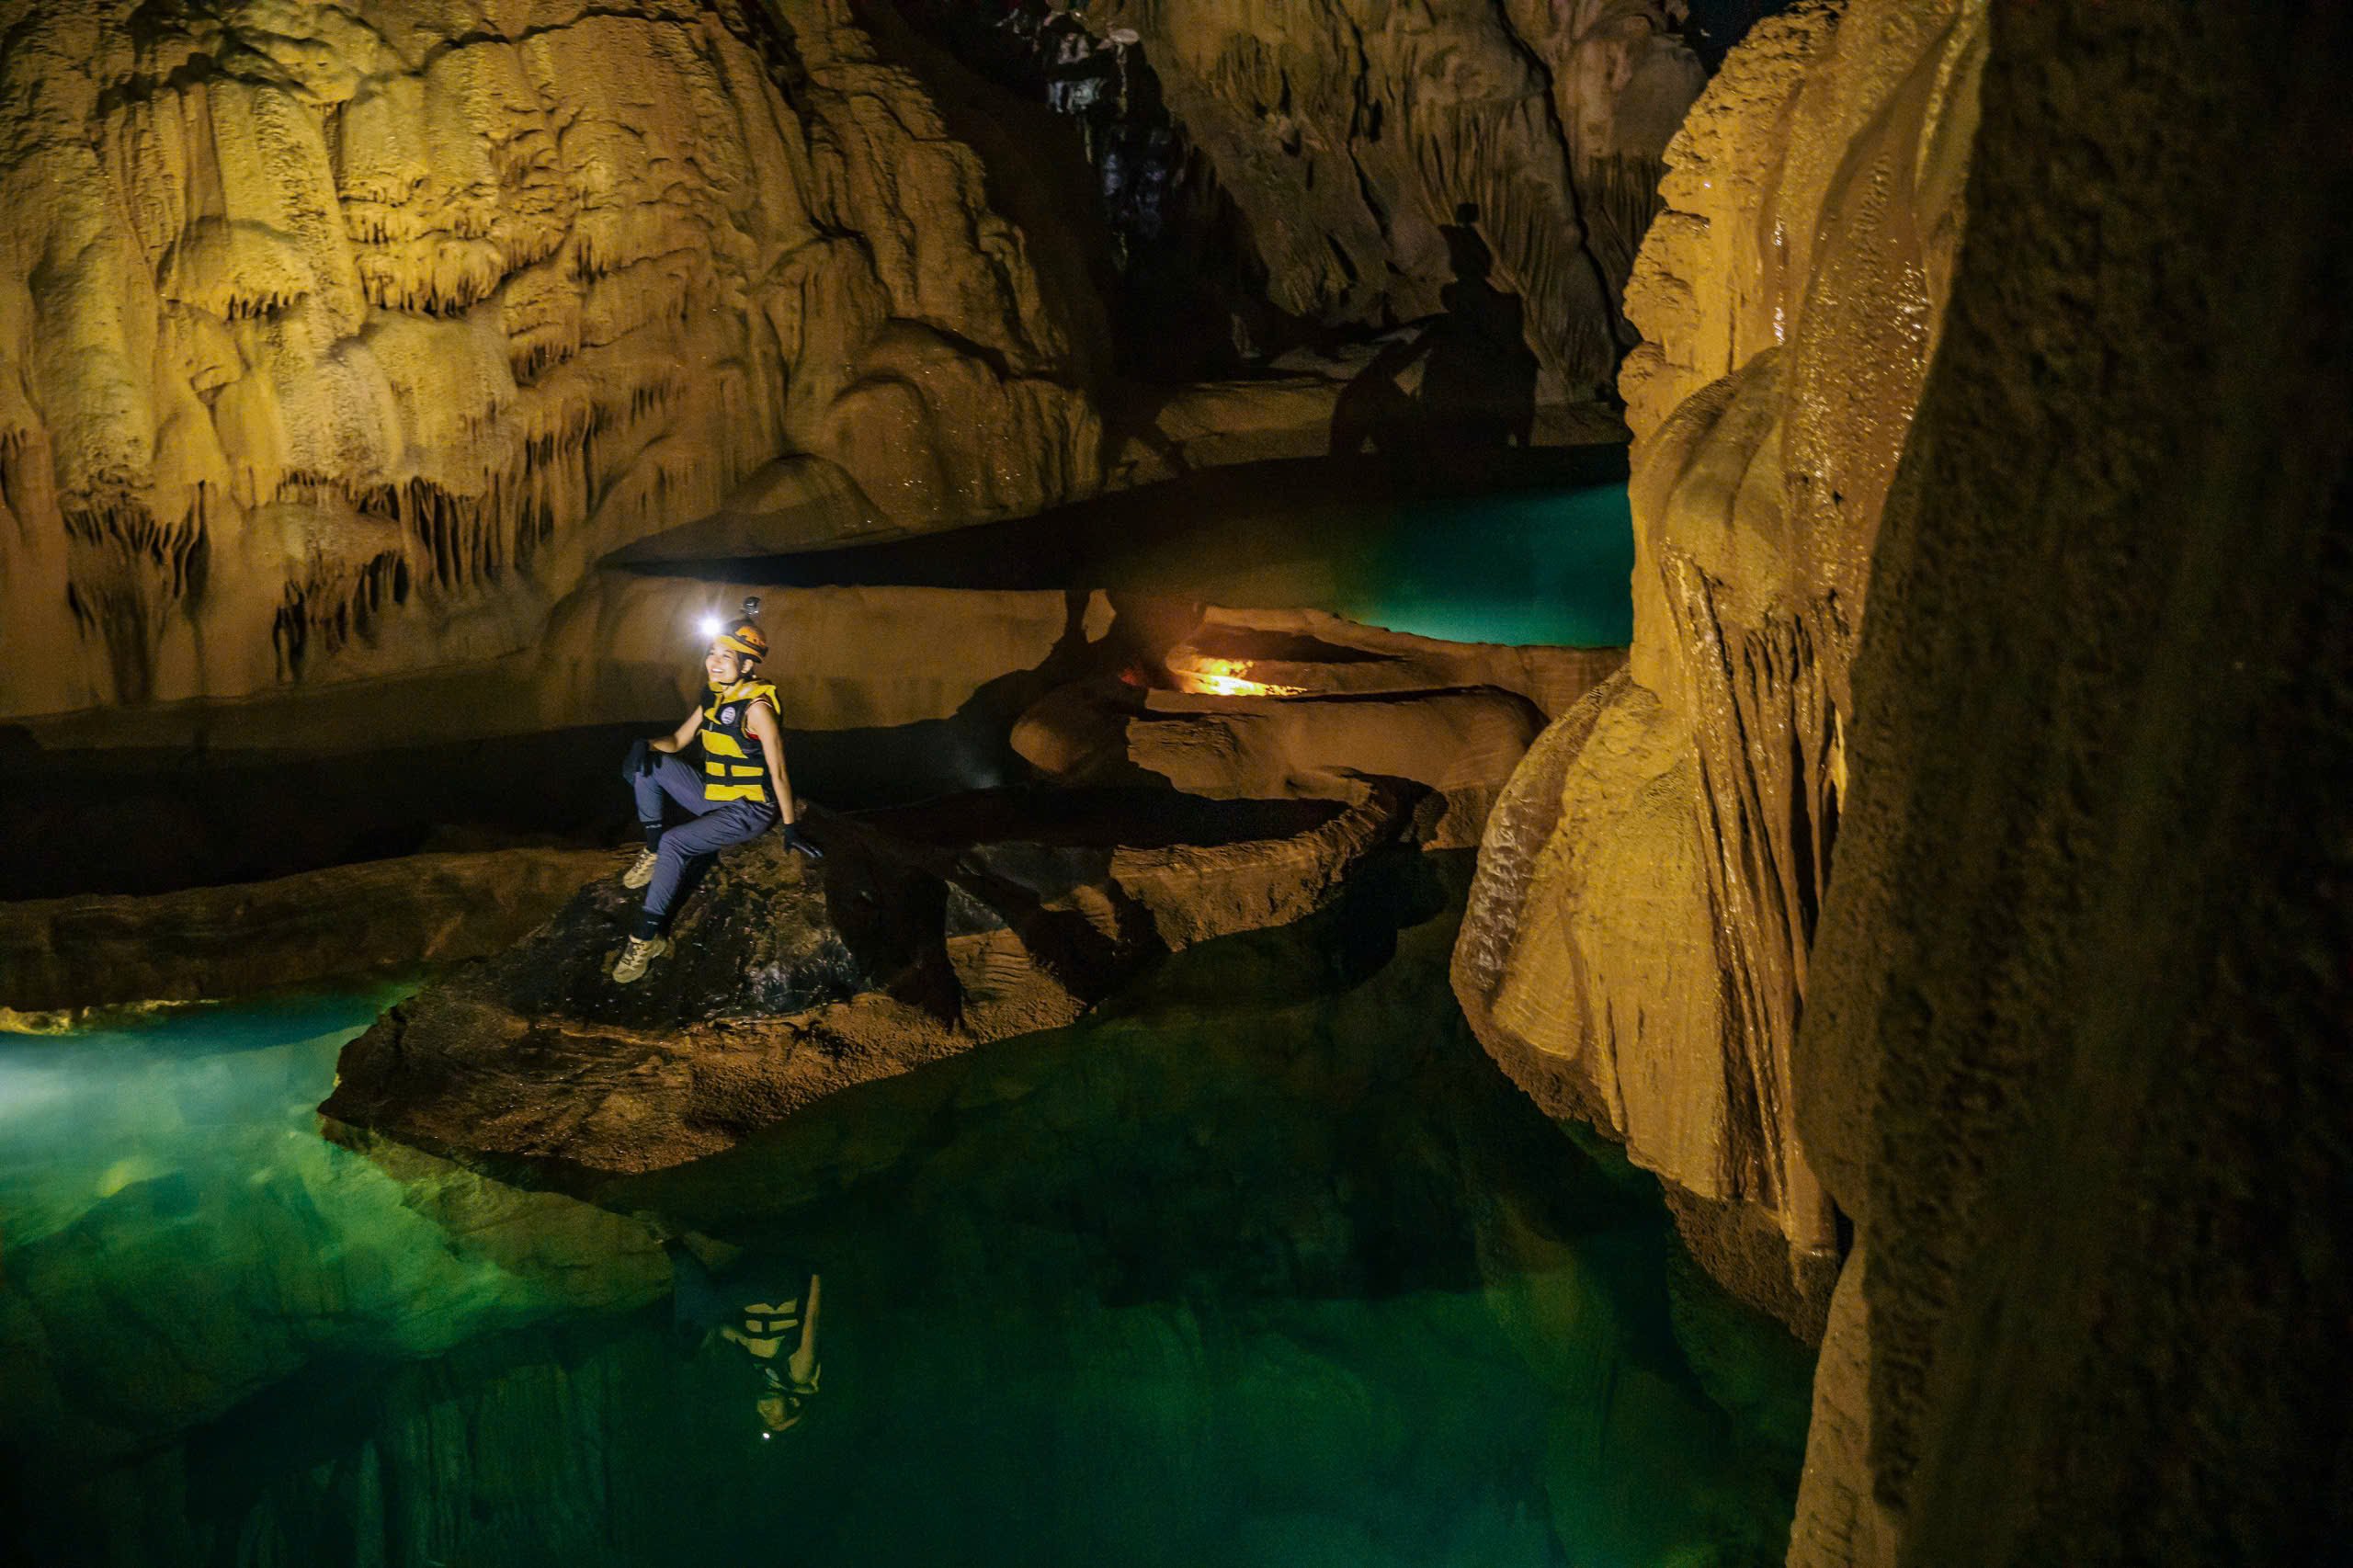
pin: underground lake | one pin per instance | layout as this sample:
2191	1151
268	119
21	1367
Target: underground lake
1262	1263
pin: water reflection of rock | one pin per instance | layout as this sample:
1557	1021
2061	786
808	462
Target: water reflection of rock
1267	1266
151	1312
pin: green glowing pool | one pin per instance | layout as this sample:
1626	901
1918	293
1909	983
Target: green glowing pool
1545	560
1517	569
1531	567
1263	1264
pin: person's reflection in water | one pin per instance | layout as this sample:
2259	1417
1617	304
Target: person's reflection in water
768	1309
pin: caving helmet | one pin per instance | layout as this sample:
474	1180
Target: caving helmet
743	637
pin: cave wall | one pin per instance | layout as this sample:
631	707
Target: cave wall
2075	1052
341	340
1346	134
1636	948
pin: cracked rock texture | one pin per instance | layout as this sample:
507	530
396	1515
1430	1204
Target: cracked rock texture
1347	133
1635	950
338	340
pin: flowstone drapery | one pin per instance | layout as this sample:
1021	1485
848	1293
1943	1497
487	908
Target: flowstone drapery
325	320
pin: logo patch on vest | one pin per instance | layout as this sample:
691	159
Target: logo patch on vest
727	714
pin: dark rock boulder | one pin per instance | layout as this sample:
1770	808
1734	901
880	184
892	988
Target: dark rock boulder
922	933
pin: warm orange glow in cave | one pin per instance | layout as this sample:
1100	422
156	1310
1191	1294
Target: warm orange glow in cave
1224	678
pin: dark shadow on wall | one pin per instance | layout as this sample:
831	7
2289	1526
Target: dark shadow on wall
1073	127
139	820
1477	390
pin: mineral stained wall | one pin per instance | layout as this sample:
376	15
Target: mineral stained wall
1351	135
2075	1055
1636	947
340	339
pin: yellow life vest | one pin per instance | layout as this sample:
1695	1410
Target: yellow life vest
735	767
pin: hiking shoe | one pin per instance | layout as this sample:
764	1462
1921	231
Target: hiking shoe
640	951
641	870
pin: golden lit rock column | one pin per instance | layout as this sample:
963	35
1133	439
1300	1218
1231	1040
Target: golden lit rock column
1635	948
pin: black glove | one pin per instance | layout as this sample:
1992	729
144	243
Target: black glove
642	761
793	840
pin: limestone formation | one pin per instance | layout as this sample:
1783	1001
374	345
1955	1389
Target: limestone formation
336	341
2074	1054
1462	744
624	650
924	932
1301	704
890	694
1637	943
1307	651
225	941
841	658
1351	135
627	649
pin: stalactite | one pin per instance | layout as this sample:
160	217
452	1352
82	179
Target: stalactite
128	573
331	607
288	277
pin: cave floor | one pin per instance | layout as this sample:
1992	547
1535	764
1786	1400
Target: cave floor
1260	1263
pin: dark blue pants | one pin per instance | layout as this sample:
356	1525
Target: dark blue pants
717	824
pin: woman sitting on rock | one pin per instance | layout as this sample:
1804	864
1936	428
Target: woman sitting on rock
741	793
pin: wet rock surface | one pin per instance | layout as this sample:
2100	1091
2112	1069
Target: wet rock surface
921	933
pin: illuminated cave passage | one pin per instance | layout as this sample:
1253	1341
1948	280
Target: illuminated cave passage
1527	549
1567	782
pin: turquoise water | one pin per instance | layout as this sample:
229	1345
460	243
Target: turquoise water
1527	569
1543	565
1532	567
1523	566
1262	1264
